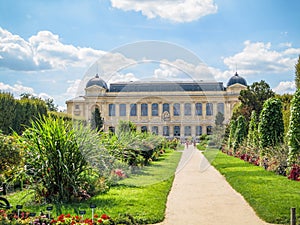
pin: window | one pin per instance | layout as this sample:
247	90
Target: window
154	109
144	109
122	109
132	109
187	131
77	107
111	109
144	129
209	109
166	107
155	130
111	129
221	108
177	131
198	130
166	131
198	108
209	130
176	109
187	109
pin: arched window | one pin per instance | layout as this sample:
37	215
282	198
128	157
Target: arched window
176	131
187	109
144	109
209	109
209	130
111	109
144	129
176	109
166	107
132	109
198	130
166	131
155	130
187	131
198	108
122	109
154	109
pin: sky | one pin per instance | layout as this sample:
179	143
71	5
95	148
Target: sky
51	48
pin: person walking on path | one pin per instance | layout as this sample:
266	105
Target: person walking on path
200	195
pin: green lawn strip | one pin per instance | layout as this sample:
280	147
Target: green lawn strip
270	195
142	196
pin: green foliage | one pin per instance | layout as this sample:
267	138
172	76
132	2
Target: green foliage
232	125
96	120
252	139
219	119
297	73
254	97
15	114
240	132
11	155
270	127
54	159
286	112
294	131
50	105
7	112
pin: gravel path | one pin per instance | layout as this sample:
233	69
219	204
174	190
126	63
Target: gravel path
200	195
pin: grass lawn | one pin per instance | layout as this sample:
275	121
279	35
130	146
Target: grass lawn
142	196
270	195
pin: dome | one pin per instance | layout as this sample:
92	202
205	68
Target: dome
96	81
236	79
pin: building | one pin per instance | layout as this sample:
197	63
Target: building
172	109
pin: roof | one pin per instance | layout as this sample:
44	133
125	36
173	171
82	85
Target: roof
166	86
236	79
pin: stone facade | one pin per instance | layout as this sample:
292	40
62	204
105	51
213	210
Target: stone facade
172	109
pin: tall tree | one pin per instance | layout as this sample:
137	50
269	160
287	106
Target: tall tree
252	139
297	73
50	105
232	126
294	129
96	120
270	127
7	112
240	132
219	119
254	96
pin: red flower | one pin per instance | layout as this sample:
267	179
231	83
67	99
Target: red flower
99	221
105	217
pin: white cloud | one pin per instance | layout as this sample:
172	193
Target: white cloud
285	87
43	51
176	10
259	57
181	69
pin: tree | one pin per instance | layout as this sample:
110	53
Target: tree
96	120
271	127
297	73
294	130
7	112
240	132
50	105
232	126
252	139
255	95
219	119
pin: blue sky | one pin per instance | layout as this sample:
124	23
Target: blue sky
48	47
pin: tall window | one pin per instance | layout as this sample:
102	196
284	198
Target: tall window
176	131
198	108
198	130
155	130
221	108
209	130
154	109
144	109
187	131
209	109
187	109
111	109
166	107
166	131
144	129
132	109
176	109
122	109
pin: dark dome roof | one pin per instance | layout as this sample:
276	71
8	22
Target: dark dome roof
96	81
236	79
